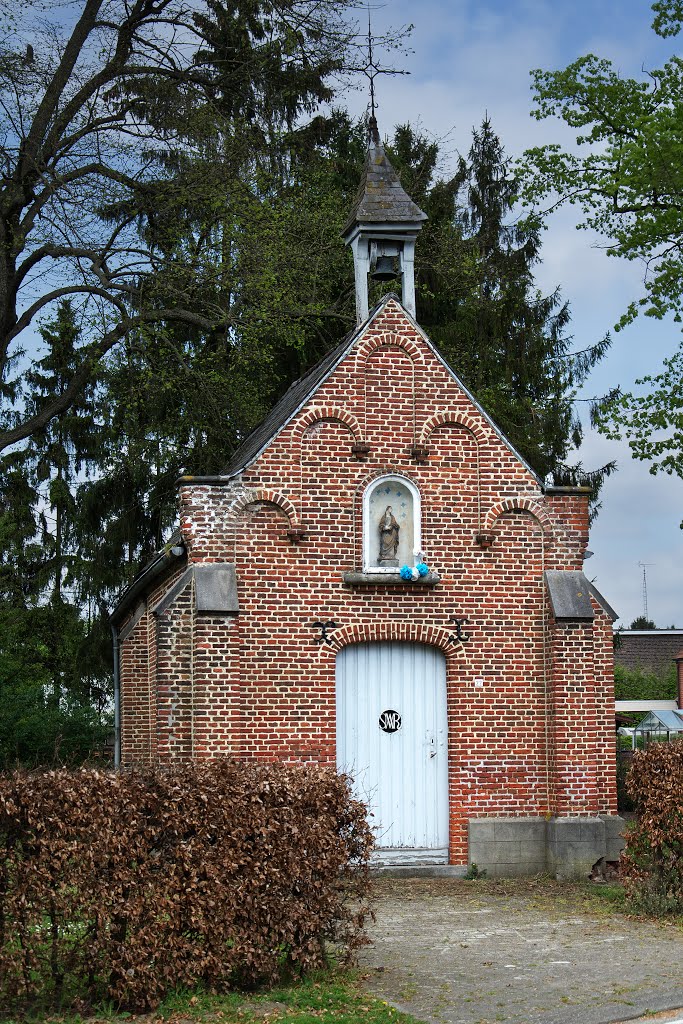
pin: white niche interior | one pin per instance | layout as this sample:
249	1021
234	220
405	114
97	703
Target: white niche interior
391	524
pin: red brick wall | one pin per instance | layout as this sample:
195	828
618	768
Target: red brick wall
139	682
530	718
603	654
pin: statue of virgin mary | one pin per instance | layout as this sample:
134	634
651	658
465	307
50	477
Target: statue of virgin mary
388	538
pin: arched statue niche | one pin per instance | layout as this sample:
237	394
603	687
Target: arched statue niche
391	524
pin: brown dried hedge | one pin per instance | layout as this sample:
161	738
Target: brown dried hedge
653	859
120	886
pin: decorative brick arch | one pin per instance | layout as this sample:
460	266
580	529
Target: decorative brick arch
376	472
407	632
452	419
255	497
518	505
386	339
330	413
374	342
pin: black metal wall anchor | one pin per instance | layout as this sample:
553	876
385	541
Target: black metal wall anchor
459	635
324	628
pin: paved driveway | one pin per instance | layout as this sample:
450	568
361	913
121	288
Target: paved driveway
457	952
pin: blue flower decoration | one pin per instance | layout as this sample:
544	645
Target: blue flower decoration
422	568
406	572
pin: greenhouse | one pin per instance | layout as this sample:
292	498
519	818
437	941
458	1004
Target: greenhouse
658	727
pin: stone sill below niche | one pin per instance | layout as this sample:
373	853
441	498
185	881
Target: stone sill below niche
386	579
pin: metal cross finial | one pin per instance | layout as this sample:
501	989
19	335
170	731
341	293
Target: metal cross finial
370	69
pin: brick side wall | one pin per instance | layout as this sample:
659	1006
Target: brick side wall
175	682
138	670
528	701
603	655
137	695
575	719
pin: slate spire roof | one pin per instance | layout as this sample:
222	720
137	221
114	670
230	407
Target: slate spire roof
381	198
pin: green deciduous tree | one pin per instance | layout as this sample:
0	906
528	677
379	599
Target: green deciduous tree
652	420
626	177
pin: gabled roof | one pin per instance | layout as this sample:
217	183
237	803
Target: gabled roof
661	721
297	393
303	389
381	199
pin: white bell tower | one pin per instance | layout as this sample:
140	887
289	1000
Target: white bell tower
382	228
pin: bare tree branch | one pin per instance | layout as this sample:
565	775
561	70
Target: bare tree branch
97	158
91	356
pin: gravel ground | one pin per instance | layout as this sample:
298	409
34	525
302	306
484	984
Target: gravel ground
456	952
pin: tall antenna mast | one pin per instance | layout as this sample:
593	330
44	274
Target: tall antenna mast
644	566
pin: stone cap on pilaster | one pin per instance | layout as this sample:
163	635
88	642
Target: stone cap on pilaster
215	586
570	595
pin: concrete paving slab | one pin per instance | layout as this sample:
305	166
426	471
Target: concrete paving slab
518	952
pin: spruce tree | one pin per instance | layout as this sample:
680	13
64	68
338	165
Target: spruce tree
507	341
54	675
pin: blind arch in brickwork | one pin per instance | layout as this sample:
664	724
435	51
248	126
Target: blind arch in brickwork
265	497
452	419
387	340
331	414
373	342
533	508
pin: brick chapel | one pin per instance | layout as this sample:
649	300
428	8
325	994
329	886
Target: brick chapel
379	581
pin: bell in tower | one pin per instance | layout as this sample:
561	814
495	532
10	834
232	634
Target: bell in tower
382	228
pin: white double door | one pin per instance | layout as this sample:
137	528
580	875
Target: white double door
392	738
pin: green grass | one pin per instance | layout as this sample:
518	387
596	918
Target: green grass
335	998
609	898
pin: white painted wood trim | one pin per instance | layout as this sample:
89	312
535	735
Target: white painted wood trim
646	705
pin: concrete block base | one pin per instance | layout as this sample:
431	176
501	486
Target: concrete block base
420	871
564	847
614	835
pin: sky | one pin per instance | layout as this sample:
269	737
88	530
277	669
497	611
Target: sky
471	58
